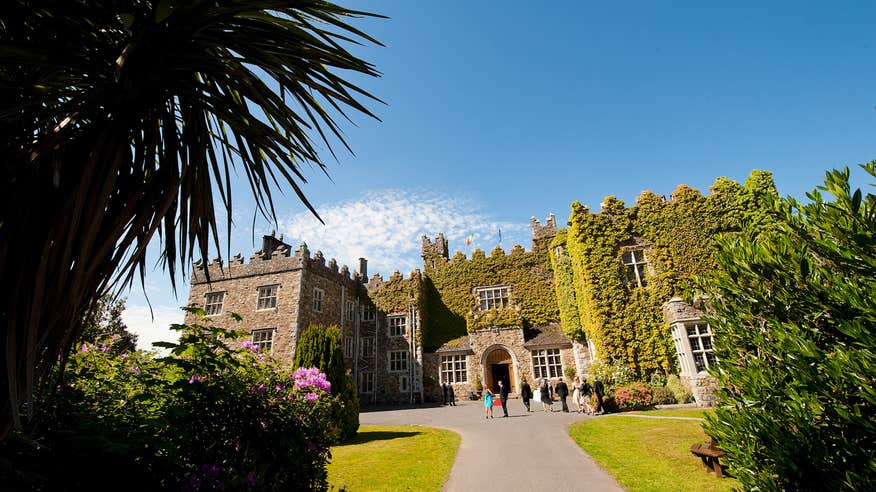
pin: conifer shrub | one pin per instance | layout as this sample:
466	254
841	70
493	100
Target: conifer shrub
663	396
321	347
795	326
679	391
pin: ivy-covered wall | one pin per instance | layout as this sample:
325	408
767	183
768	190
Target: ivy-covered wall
625	321
398	294
564	285
450	303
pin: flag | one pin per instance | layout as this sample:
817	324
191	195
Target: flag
500	235
468	240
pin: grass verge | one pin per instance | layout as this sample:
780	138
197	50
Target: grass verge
394	458
650	455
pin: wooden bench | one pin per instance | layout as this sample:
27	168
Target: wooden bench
710	454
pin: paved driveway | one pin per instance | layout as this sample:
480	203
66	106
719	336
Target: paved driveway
523	452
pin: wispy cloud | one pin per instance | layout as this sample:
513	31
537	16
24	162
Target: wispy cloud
139	321
385	227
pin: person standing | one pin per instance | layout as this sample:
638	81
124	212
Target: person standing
576	395
546	402
451	394
488	403
444	393
599	389
562	394
525	394
503	397
586	396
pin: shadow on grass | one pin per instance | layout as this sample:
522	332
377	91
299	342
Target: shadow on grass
363	437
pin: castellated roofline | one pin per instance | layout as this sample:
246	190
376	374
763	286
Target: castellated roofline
377	279
280	259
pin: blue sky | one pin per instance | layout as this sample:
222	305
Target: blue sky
497	112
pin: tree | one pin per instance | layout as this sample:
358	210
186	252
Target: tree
320	347
123	119
105	322
795	327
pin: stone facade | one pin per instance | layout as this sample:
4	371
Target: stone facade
693	346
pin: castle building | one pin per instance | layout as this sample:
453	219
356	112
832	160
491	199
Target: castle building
604	288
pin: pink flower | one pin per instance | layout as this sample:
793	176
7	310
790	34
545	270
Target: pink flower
311	397
104	348
135	370
196	378
85	347
249	346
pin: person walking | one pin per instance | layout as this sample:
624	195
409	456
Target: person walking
525	394
586	396
599	389
545	391
451	394
488	403
576	395
503	397
562	394
444	393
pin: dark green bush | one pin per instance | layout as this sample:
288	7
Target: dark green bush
795	330
664	396
680	391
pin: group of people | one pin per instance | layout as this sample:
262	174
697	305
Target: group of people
448	396
584	396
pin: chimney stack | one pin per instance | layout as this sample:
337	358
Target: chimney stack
363	268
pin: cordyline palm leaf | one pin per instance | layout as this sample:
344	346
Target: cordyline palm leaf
121	118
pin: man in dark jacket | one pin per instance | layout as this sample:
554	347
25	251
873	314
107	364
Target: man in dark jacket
526	394
599	389
503	396
563	392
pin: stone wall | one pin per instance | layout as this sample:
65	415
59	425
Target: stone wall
703	388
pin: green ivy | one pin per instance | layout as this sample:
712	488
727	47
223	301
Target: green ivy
564	286
624	321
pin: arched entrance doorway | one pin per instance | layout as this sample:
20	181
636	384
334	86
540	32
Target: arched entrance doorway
498	364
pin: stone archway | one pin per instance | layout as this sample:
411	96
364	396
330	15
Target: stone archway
499	363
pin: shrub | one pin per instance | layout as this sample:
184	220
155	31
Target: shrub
616	373
570	372
680	391
794	317
664	396
633	397
658	380
206	417
321	347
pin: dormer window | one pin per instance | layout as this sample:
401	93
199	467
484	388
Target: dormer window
635	264
492	297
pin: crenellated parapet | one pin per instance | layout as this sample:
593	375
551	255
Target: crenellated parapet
274	257
434	252
543	234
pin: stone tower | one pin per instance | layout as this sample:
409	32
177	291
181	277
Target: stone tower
542	235
434	252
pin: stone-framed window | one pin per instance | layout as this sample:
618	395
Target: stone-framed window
368	312
318	296
213	303
492	297
397	325
267	297
700	338
351	311
366	382
348	347
263	338
636	265
454	369
398	360
366	347
547	363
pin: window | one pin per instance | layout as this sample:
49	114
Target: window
398	361
453	369
351	310
403	384
492	298
397	325
267	297
368	312
366	347
700	337
318	295
213	304
366	382
546	363
635	264
348	347
263	338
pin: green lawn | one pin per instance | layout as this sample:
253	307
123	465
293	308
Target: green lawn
394	458
650	455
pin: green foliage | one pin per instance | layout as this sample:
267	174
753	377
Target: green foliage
449	292
104	321
570	372
321	347
658	380
564	284
206	417
663	396
680	391
128	118
499	317
625	321
794	317
616	373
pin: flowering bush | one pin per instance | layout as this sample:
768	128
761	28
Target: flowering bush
633	397
206	417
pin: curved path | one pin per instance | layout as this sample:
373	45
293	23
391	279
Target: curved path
523	452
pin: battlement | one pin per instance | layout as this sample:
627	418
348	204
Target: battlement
275	257
543	234
376	280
